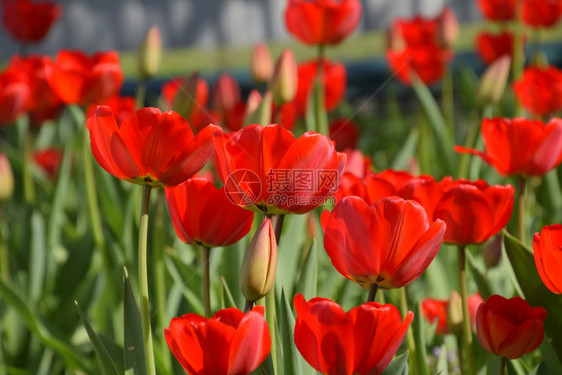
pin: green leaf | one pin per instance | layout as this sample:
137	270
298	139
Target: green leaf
308	280
479	276
107	364
419	337
134	344
38	257
56	213
316	117
535	292
229	301
262	114
442	363
292	363
407	151
398	366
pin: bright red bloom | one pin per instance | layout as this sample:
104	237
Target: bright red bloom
121	106
389	243
49	160
334	83
541	13
357	163
28	21
345	133
520	146
427	62
266	169
230	342
416	32
203	215
44	103
438	309
497	10
322	21
474	211
539	90
361	341
78	78
15	94
547	249
149	147
493	46
509	327
287	116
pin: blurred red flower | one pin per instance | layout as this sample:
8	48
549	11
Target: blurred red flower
149	147
15	94
427	62
121	106
322	21
334	83
78	78
203	214
541	13
497	10
230	342
266	169
509	327
226	93
520	146
547	249
49	160
437	310
345	133
493	46
474	211
28	21
389	243
539	90
361	341
44	103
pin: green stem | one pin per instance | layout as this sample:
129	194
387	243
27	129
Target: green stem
160	276
467	330
4	253
143	281
278	226
141	93
372	292
319	105
248	306
448	100
206	280
410	341
521	226
272	323
502	365
27	149
518	49
459	353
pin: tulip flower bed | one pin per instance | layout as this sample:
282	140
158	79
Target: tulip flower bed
289	232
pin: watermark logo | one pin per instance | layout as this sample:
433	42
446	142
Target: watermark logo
243	187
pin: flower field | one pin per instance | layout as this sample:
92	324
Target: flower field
293	230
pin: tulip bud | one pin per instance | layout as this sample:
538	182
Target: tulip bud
448	28
226	93
262	64
6	178
493	81
285	78
252	104
186	94
454	313
260	261
150	53
492	252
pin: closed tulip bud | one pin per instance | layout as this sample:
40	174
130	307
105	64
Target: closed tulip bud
252	104
285	78
493	81
226	93
262	64
260	261
6	178
150	53
187	93
492	252
448	28
454	313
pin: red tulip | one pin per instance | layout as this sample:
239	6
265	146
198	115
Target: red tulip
497	10
226	93
77	78
266	169
474	211
547	248
427	62
322	21
541	13
345	133
509	327
390	243
418	31
357	163
230	342
121	106
49	160
334	82
149	147
438	311
493	46
44	103
361	341
15	94
520	146
203	215
539	90
287	116
28	21
171	89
